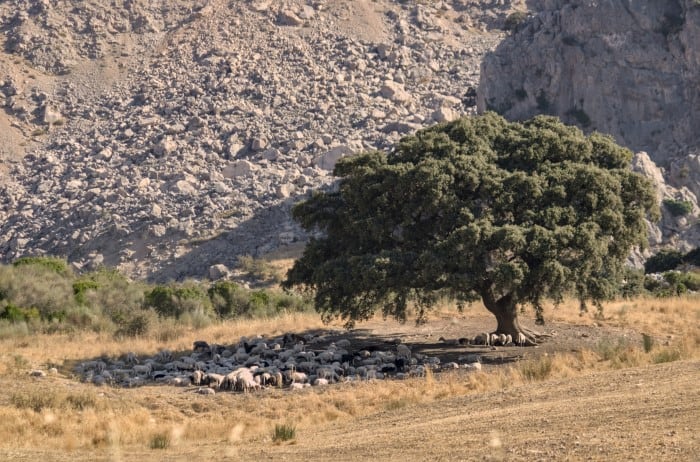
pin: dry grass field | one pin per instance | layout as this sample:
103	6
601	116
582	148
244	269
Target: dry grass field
597	389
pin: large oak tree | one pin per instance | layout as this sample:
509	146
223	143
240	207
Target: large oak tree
480	208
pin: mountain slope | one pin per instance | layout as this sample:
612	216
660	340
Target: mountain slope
184	132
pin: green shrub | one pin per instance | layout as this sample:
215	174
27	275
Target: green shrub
613	349
667	355
664	260
292	303
284	433
37	286
514	20
691	280
692	257
34	400
15	313
678	208
57	265
228	299
648	342
176	300
672	283
160	441
259	300
135	324
633	284
80	288
675	282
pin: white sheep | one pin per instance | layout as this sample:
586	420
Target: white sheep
197	377
297	377
473	366
240	380
213	380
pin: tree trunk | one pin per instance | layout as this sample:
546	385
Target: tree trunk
507	318
506	312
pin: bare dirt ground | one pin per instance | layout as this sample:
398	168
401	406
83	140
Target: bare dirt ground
645	413
649	413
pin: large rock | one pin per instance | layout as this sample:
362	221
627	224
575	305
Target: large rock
395	92
238	168
328	160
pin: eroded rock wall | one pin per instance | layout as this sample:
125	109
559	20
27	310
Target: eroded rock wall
628	68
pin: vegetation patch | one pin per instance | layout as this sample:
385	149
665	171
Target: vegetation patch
41	294
678	208
284	432
57	265
515	20
536	370
160	441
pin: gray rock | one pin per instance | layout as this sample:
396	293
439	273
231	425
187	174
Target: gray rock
238	168
395	92
218	271
328	160
289	18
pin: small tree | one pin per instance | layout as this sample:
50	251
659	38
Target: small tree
506	213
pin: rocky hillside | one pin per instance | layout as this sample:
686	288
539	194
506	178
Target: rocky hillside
628	68
165	137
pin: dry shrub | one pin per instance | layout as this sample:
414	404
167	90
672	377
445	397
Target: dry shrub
536	369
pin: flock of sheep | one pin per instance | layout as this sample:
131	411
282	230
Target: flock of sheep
290	360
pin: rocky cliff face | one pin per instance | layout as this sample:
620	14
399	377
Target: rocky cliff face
630	68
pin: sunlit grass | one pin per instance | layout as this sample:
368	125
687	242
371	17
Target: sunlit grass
58	411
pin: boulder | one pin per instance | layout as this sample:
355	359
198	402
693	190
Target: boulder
238	168
328	160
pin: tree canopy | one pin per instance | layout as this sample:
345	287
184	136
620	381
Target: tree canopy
480	208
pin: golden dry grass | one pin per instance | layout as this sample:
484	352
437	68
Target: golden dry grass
59	412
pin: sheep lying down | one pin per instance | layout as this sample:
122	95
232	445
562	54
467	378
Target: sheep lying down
290	361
